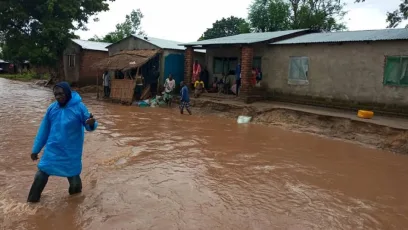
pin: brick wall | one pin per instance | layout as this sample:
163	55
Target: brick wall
247	55
87	74
188	65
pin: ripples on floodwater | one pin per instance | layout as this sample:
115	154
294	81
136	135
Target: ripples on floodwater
154	169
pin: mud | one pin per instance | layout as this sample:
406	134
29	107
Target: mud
367	134
151	168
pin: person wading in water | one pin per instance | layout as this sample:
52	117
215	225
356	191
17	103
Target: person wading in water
62	133
184	99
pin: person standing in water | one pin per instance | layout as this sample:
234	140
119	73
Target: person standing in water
184	99
62	133
169	87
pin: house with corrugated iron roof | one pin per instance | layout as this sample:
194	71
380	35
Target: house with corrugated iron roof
169	61
358	69
350	68
78	58
223	54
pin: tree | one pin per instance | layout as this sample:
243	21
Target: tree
226	27
318	14
269	15
274	15
395	17
131	25
40	30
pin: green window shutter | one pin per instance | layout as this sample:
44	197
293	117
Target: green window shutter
392	71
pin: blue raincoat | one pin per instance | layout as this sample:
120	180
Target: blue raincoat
62	133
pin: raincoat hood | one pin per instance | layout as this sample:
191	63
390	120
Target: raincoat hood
67	90
73	97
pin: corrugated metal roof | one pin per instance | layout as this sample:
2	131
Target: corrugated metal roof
90	45
161	43
248	38
3	61
348	36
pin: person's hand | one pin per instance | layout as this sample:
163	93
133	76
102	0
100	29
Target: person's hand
34	156
90	121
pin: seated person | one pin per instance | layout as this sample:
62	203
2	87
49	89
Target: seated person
221	84
198	88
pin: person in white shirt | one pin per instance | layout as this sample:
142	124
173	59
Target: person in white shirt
169	87
106	83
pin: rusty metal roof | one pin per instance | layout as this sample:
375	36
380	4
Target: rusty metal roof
91	45
247	38
348	36
126	60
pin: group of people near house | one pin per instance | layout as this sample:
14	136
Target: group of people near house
232	83
199	84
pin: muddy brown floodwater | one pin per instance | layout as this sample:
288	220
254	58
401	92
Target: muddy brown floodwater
151	168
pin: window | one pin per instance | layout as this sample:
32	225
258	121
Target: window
396	70
228	65
257	62
298	71
218	65
225	65
71	60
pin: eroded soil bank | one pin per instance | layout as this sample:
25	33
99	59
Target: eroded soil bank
369	134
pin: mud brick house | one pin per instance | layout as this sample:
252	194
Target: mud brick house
171	59
78	58
350	69
354	68
223	54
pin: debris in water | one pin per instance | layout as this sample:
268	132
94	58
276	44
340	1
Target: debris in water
244	119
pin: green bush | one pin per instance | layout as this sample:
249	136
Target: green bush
26	76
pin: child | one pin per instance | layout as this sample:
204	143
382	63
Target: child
185	99
198	88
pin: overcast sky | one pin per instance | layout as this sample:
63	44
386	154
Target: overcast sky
186	20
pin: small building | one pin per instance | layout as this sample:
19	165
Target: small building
170	60
223	54
78	58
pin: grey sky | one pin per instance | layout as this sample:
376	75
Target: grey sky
186	20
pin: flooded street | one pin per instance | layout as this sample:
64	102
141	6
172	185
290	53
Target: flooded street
147	168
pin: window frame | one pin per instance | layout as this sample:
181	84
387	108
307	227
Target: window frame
298	81
400	67
71	60
226	62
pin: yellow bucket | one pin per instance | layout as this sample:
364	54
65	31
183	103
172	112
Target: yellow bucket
365	114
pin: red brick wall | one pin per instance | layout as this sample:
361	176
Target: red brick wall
188	65
87	74
247	55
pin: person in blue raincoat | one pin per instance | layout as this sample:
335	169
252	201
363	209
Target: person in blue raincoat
62	133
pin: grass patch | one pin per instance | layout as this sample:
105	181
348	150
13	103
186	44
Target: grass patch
27	76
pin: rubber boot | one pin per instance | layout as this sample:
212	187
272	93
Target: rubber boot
75	185
40	181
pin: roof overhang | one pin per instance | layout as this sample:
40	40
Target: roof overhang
126	60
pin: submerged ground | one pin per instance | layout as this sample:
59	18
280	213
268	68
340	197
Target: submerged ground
150	168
